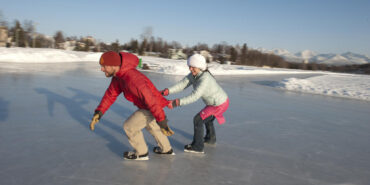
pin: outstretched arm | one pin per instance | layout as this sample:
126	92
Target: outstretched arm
195	94
109	97
180	86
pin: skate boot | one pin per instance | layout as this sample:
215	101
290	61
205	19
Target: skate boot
158	150
131	155
189	148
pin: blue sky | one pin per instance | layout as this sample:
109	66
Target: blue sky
324	26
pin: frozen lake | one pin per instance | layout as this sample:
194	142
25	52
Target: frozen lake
271	136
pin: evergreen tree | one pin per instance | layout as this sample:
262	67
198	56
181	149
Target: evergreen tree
152	46
87	45
134	46
158	45
233	54
243	56
164	50
18	35
143	46
115	46
59	38
77	47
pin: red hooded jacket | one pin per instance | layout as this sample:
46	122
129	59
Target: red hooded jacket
136	88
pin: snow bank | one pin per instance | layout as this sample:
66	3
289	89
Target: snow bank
179	67
340	85
158	65
42	55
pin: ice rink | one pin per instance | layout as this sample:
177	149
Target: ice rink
271	136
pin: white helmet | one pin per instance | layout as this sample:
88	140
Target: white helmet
197	61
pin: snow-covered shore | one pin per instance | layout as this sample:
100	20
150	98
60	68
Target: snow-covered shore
331	84
45	55
158	65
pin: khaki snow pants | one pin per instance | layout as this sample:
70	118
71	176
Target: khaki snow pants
135	123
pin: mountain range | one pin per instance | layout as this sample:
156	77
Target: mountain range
308	56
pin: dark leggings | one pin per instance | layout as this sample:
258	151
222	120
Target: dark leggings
198	140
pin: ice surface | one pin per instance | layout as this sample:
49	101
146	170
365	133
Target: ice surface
271	136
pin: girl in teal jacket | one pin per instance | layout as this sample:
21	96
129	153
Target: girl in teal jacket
215	98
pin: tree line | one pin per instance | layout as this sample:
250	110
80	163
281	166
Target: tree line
25	36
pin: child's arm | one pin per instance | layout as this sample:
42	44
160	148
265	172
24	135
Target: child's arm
195	94
180	86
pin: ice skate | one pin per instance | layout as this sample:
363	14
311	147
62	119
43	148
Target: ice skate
130	155
158	150
189	148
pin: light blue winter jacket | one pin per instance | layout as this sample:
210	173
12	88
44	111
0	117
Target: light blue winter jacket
205	87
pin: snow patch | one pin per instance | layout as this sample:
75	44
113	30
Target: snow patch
340	85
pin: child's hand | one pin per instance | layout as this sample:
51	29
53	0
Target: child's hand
173	103
95	120
167	131
165	92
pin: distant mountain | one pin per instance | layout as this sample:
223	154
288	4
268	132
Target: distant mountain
308	56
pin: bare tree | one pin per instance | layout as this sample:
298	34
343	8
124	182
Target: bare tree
18	34
147	33
202	46
29	26
3	22
176	45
